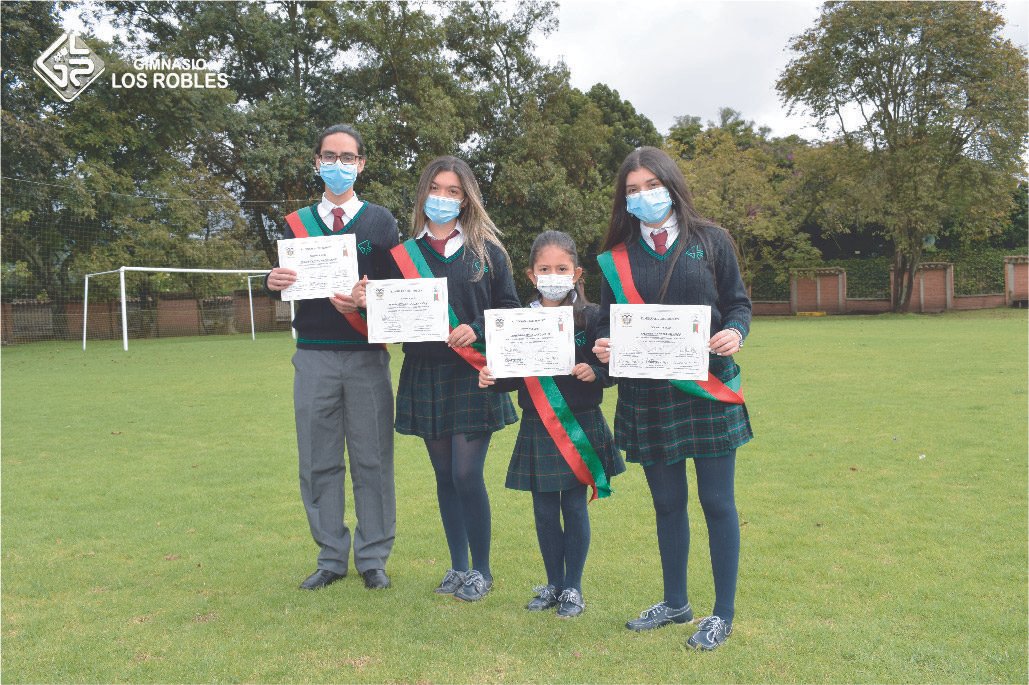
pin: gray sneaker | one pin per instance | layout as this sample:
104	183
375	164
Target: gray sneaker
571	603
452	581
475	587
711	633
546	598
661	615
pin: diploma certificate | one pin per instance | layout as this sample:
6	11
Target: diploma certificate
325	265
660	341
407	310
535	341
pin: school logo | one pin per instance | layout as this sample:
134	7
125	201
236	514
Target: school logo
580	338
626	319
500	324
289	251
380	293
68	66
365	246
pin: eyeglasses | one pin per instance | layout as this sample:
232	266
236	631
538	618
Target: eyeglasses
345	157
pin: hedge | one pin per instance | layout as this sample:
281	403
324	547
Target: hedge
977	271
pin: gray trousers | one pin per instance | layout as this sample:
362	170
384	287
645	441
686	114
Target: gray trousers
345	399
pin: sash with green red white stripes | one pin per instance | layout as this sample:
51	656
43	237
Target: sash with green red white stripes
617	272
305	223
412	264
553	409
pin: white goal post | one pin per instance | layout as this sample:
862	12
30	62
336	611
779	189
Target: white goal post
124	309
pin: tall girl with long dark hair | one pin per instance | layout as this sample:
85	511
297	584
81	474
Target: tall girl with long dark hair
658	243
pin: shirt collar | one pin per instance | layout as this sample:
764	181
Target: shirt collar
457	227
671	225
454	244
350	208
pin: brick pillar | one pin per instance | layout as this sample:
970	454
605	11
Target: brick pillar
821	289
1016	279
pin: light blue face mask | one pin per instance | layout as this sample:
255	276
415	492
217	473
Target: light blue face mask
339	177
649	206
441	210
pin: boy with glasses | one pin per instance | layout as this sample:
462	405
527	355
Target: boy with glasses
342	390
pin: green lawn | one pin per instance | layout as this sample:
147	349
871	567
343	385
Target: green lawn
153	530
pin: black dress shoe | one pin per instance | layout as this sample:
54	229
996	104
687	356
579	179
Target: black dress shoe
320	579
375	579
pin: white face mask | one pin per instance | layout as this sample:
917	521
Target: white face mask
554	287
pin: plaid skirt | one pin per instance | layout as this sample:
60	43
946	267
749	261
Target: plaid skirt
537	464
655	423
439	398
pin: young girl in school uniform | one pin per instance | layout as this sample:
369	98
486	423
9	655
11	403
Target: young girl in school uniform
438	397
659	250
545	461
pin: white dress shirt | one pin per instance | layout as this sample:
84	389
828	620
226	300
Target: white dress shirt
672	226
350	209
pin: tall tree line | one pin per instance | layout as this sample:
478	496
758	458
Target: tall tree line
205	177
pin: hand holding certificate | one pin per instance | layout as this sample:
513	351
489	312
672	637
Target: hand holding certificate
325	265
536	341
660	341
407	310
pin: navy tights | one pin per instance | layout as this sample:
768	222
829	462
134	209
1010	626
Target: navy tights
715	476
564	551
458	461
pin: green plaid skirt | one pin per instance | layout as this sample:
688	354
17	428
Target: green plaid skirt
655	423
537	464
439	398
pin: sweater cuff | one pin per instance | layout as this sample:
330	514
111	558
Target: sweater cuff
739	327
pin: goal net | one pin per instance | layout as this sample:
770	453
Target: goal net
135	302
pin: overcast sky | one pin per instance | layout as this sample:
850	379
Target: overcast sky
671	58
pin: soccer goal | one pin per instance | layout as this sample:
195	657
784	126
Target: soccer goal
196	306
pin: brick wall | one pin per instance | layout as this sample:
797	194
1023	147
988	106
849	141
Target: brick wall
178	317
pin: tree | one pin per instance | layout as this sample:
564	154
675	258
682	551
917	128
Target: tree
826	197
418	80
629	129
736	188
74	171
935	96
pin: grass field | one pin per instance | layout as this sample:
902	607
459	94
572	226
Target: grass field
153	530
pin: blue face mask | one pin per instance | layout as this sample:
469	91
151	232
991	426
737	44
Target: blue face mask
339	177
649	206
440	210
